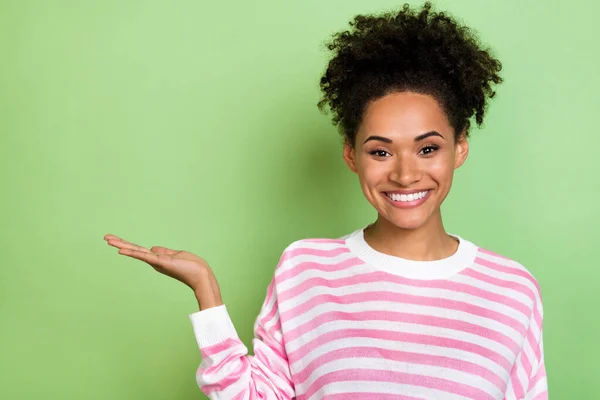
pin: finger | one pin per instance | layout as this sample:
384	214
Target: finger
153	259
116	238
124	244
163	250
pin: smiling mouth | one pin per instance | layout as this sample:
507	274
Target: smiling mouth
406	198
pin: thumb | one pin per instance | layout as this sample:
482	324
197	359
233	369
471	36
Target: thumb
163	250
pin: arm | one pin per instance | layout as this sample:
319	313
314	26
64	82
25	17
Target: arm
227	371
528	376
538	384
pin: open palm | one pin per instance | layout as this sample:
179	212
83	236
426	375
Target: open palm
186	267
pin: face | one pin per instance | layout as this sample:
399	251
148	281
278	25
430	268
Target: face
405	154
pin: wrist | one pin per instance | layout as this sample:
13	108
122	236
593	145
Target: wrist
207	300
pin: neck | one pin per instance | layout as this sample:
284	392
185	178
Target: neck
426	243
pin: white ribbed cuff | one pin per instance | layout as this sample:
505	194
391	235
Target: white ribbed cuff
212	326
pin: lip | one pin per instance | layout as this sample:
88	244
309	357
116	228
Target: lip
407	204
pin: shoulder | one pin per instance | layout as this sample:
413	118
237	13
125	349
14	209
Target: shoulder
506	272
311	252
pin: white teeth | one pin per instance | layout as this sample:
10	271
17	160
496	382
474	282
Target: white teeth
407	197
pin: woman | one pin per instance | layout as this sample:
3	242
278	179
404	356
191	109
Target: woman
400	309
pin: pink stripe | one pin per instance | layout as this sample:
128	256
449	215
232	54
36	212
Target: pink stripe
336	241
271	315
511	285
519	287
399	356
231	358
274	345
491	253
273	364
508	270
270	292
397	377
540	374
227	344
229	379
400	337
261	382
307	251
376	277
407	318
241	394
309	265
538	317
401	298
525	363
370	396
541	396
533	345
264	319
273	330
516	382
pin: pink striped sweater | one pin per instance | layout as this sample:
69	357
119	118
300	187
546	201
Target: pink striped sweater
344	321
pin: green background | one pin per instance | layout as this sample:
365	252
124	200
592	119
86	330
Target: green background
193	124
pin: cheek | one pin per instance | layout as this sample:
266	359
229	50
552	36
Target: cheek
371	172
442	169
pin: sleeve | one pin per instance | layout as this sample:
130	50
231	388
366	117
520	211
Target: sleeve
227	371
528	375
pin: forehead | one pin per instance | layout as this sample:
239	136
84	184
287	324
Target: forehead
404	114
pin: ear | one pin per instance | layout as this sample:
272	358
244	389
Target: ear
461	150
349	156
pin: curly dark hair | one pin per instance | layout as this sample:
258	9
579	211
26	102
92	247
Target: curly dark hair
411	50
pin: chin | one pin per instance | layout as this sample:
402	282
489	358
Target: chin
406	223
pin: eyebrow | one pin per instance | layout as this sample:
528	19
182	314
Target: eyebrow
417	138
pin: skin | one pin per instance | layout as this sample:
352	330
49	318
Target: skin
178	264
394	161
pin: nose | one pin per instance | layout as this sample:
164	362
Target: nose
405	171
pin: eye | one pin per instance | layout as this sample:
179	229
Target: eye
379	153
429	149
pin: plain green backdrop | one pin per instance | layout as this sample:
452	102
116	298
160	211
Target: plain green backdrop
193	125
